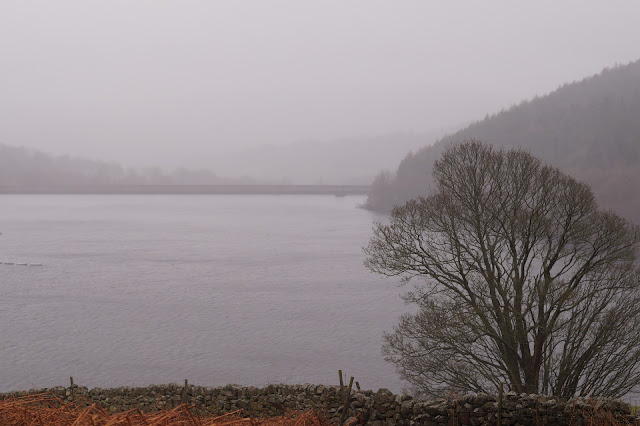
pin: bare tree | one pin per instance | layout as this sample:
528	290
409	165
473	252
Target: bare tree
522	280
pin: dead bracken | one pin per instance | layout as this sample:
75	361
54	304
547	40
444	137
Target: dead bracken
47	409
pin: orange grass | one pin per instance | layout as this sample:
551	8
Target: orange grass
47	409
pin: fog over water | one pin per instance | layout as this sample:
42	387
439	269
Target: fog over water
170	83
215	289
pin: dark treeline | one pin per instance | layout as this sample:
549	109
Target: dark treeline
590	129
26	167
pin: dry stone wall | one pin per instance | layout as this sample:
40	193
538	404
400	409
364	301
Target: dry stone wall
381	408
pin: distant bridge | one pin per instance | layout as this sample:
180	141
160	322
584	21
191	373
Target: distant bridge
338	190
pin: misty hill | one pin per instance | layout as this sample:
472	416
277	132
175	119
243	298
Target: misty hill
590	129
337	162
25	167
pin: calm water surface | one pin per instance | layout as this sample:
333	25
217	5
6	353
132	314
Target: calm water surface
218	289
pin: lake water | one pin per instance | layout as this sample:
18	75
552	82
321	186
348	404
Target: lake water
142	289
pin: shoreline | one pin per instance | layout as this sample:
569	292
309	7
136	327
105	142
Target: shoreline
338	190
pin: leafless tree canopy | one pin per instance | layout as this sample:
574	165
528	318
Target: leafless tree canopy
521	279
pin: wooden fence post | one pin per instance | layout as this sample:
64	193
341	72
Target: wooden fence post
73	391
185	390
346	402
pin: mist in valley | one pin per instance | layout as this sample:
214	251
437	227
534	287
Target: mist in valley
283	92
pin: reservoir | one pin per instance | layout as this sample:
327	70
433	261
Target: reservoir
130	290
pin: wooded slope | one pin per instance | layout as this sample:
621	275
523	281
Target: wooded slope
590	129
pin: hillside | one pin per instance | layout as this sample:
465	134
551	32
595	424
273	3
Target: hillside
25	167
349	161
352	161
590	129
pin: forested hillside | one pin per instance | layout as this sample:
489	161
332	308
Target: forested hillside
590	128
25	167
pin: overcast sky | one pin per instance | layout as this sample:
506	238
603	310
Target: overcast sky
177	82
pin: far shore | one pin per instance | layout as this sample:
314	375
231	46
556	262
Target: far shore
338	190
